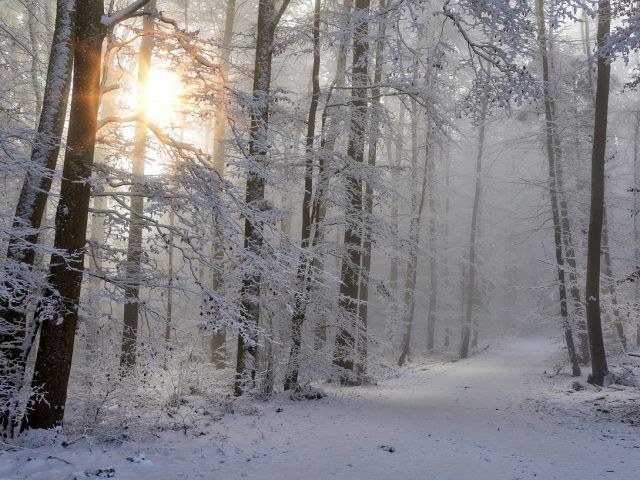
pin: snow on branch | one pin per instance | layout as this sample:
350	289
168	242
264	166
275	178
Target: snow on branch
123	14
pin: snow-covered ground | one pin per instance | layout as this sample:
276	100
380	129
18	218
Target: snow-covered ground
502	414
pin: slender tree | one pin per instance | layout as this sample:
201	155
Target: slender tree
417	205
599	368
136	222
471	283
552	152
219	338
268	19
306	261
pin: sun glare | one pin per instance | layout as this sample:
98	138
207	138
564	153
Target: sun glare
163	98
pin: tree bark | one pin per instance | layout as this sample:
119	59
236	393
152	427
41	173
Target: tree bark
636	211
59	313
255	191
552	146
468	323
433	283
414	239
219	338
599	367
345	344
608	273
304	274
136	223
365	271
14	341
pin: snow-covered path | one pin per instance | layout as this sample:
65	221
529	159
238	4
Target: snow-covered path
479	419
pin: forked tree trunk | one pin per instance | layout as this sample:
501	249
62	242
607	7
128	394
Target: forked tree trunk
345	345
136	222
59	312
599	368
553	190
14	342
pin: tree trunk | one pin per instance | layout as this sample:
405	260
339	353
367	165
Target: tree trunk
433	283
136	222
349	275
258	150
414	239
552	145
363	294
108	108
395	206
599	367
304	268
636	211
59	313
468	323
14	343
219	338
608	273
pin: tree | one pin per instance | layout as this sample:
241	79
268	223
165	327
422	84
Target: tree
417	206
471	283
304	273
219	338
599	368
268	19
14	341
58	311
136	222
552	158
58	314
345	345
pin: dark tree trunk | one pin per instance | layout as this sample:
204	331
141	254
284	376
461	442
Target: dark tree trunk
59	314
636	211
345	337
304	268
14	341
363	303
553	191
599	367
258	149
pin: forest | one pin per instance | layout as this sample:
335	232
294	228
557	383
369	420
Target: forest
330	238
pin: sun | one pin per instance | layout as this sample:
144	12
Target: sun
162	98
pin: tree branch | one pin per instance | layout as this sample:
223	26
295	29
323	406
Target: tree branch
123	14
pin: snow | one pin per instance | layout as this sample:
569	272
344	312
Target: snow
497	415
